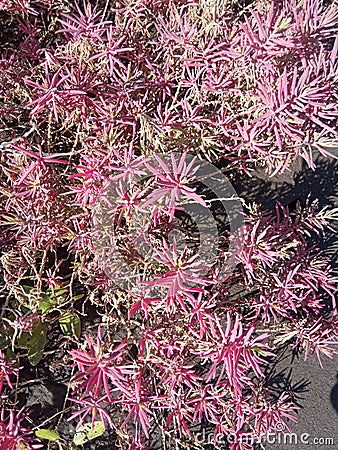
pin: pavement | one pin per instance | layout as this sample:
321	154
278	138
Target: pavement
316	392
315	389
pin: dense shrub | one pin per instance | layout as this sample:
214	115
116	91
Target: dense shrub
108	112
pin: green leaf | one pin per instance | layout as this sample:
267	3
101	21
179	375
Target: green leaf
86	433
59	291
49	299
46	304
50	435
10	356
27	289
37	343
24	339
70	324
3	341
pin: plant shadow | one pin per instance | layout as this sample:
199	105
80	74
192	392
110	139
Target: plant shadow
334	396
297	185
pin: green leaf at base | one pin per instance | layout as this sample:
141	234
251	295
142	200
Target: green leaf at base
50	435
86	433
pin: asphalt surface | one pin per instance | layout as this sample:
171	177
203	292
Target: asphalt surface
314	389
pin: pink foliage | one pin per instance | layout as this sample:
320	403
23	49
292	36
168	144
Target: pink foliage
115	116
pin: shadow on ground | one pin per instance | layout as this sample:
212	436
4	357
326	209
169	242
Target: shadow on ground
313	389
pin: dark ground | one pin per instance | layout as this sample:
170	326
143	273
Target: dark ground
315	389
